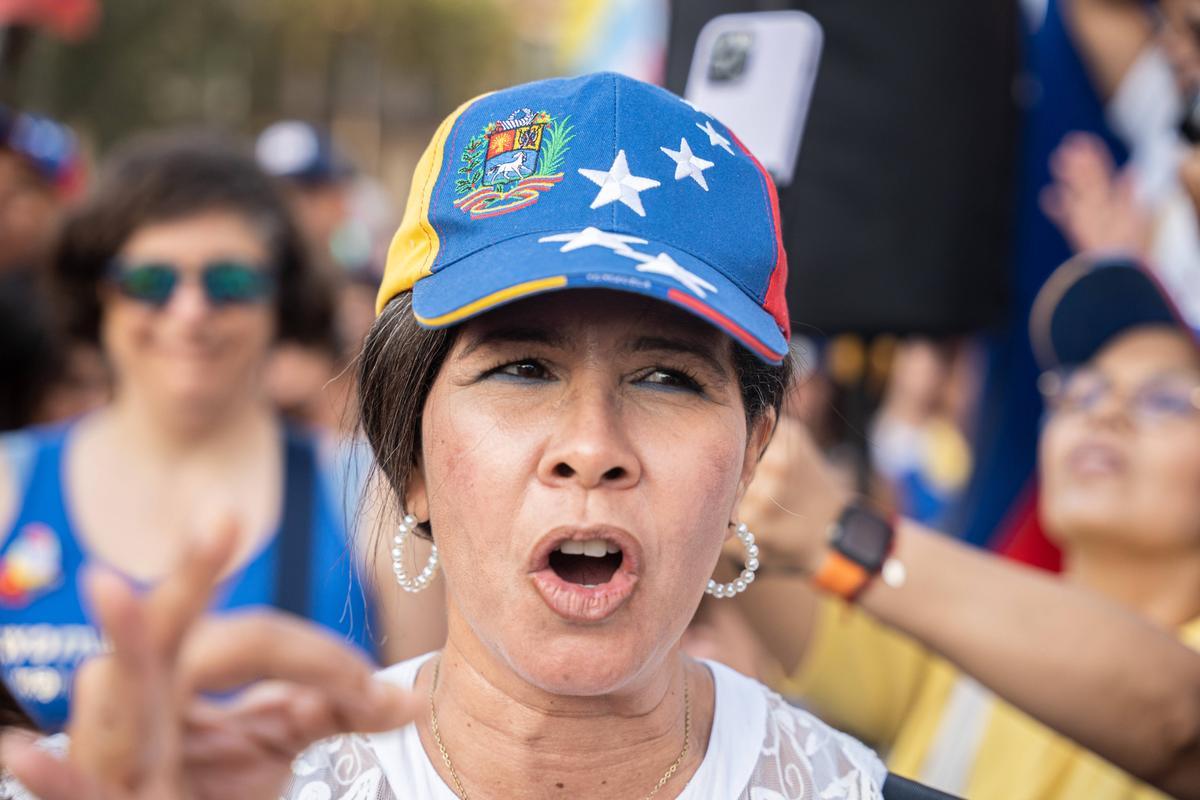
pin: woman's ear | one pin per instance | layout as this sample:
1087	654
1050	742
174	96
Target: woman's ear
416	496
756	444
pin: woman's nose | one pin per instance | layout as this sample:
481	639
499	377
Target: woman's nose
590	447
189	300
1113	410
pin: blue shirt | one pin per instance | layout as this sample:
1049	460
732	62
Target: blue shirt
46	630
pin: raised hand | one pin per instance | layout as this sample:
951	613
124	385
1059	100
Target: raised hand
141	726
1092	203
793	498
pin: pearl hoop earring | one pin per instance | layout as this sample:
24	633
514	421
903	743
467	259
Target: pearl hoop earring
421	582
734	587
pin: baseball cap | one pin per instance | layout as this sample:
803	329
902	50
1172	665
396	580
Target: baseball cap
598	181
49	147
298	151
1090	300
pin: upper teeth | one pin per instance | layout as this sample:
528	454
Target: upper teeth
596	548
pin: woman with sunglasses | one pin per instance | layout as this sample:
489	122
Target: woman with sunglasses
185	267
924	624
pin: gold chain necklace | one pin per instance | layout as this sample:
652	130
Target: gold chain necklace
462	792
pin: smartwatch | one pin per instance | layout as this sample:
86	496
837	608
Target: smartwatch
860	546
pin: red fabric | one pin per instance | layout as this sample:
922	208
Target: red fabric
69	19
731	327
1021	537
775	301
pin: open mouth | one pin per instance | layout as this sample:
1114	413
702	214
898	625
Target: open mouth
586	577
588	563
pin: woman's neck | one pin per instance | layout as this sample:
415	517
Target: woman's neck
178	430
140	486
1164	587
507	738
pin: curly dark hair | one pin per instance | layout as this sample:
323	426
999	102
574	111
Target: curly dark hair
165	177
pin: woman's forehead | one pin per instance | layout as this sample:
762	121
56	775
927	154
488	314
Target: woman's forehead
612	319
1149	350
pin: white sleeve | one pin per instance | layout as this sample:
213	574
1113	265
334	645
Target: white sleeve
341	768
12	789
803	757
1144	112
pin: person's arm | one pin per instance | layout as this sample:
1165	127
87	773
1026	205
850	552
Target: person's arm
1110	35
1067	656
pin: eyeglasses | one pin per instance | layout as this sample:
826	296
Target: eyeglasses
1156	401
225	282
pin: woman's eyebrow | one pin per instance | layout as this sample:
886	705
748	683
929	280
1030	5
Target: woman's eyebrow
685	346
513	335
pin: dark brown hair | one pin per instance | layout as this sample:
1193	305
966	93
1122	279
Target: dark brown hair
166	177
400	361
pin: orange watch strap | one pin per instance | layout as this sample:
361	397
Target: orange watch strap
840	576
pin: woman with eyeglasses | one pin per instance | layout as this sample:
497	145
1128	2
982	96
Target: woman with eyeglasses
962	666
185	267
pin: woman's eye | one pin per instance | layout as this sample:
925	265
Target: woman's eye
528	370
1165	401
672	379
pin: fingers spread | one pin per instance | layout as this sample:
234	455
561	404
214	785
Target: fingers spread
180	599
233	651
116	696
43	774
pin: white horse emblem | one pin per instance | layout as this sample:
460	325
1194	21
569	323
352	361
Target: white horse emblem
512	170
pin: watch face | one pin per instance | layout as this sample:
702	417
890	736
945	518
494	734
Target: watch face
864	537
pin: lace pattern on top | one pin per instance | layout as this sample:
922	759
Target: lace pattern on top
341	768
800	758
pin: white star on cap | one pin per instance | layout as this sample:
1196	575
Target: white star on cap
589	237
619	184
715	138
687	164
663	264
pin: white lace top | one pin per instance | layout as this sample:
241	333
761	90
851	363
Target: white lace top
761	748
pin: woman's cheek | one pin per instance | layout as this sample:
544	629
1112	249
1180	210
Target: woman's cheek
1052	449
705	494
1169	480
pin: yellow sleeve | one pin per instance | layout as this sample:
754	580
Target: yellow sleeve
858	674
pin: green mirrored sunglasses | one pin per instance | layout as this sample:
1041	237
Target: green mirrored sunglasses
225	282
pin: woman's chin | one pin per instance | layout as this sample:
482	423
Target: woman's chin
574	666
1070	524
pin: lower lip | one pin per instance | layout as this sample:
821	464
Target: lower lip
577	603
1095	464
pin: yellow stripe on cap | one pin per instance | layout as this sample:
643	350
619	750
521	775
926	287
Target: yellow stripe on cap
415	244
493	299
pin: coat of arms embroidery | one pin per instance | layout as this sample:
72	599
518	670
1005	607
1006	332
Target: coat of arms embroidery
507	166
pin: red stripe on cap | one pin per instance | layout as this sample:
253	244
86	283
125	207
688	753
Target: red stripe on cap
775	301
735	330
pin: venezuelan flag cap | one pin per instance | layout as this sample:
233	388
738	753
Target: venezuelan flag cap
1090	300
599	181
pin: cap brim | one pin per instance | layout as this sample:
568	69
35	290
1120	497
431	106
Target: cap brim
1086	303
527	265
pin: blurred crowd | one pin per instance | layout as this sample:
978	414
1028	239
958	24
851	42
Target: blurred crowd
180	322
